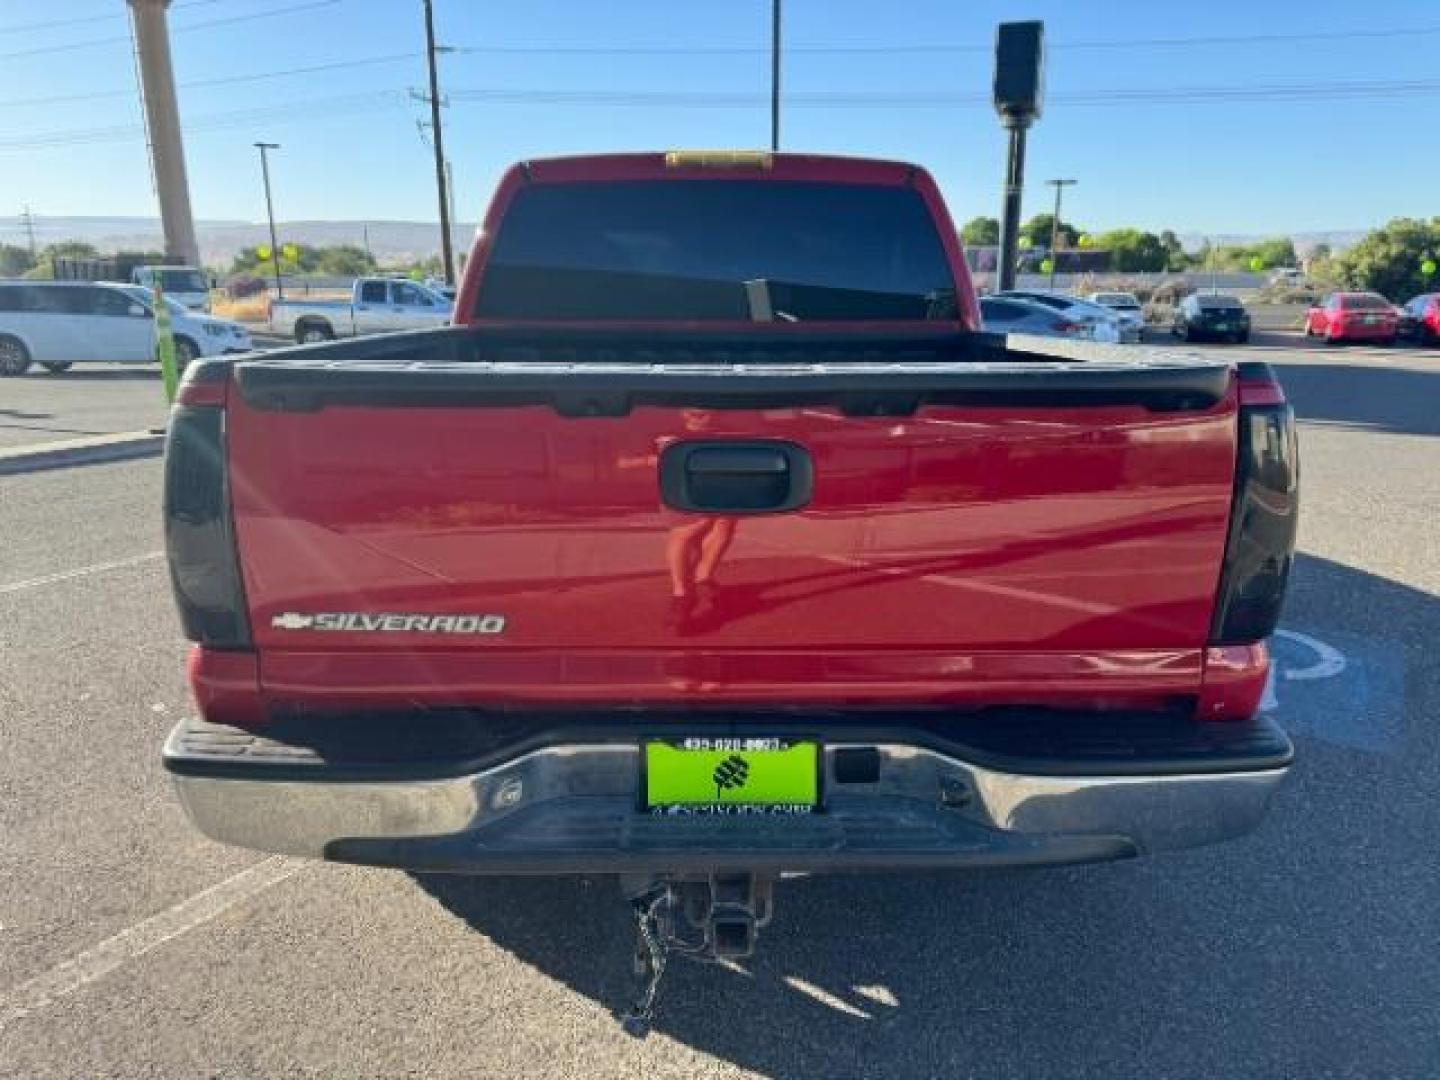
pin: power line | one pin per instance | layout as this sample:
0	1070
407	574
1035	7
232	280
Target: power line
224	80
941	99
227	21
941	47
52	24
308	111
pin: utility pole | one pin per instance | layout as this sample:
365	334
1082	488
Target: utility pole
447	256
29	220
1060	185
162	121
774	75
265	148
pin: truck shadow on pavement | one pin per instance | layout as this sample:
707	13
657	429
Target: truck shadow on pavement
1291	952
1399	401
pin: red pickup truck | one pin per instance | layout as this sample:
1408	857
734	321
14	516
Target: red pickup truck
717	542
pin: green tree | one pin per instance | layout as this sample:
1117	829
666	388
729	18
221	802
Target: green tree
341	260
15	261
981	232
1132	250
1038	230
345	260
1388	259
1175	258
1277	251
44	268
68	249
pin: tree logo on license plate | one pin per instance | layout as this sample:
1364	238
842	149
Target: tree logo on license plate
731	773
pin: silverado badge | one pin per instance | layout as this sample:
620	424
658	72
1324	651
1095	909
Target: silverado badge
388	622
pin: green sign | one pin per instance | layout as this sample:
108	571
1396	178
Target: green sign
290	251
1428	268
1257	263
1047	265
263	252
1085	240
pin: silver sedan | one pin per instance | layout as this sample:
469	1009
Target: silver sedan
1014	315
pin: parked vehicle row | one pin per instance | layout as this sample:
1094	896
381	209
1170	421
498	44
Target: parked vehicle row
377	305
1127	309
1352	316
1015	315
59	323
1082	318
187	284
1420	319
1218	318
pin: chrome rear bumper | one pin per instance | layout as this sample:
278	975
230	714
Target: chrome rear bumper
572	808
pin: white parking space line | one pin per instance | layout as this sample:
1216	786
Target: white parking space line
83	571
114	953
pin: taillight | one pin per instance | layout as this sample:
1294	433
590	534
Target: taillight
199	541
1064	326
1264	515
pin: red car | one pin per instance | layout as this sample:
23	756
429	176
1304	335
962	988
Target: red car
1352	316
1420	319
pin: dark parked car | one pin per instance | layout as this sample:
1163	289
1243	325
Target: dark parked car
1220	318
1420	319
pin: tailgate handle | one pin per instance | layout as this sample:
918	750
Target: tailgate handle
759	477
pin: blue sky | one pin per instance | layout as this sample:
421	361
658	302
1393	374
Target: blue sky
1282	161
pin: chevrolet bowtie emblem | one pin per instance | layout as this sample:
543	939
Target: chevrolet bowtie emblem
292	620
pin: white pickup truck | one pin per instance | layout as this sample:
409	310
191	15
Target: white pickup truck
377	306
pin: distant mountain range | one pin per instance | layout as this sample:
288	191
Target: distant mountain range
395	241
1337	239
220	241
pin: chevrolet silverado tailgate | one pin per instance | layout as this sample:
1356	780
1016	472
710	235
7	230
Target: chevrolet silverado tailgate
422	529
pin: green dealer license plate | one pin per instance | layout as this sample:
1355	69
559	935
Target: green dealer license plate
732	775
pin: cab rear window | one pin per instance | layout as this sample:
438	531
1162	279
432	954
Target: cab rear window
717	251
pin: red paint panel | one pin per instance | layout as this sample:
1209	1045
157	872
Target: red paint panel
1234	682
226	686
1047	535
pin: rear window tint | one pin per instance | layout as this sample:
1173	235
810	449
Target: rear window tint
1365	302
717	250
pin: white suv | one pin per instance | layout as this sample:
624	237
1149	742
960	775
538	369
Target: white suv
59	323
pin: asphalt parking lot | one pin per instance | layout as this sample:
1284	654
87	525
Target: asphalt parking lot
130	946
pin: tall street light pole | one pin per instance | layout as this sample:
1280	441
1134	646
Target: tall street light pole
1060	186
265	148
774	75
447	256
